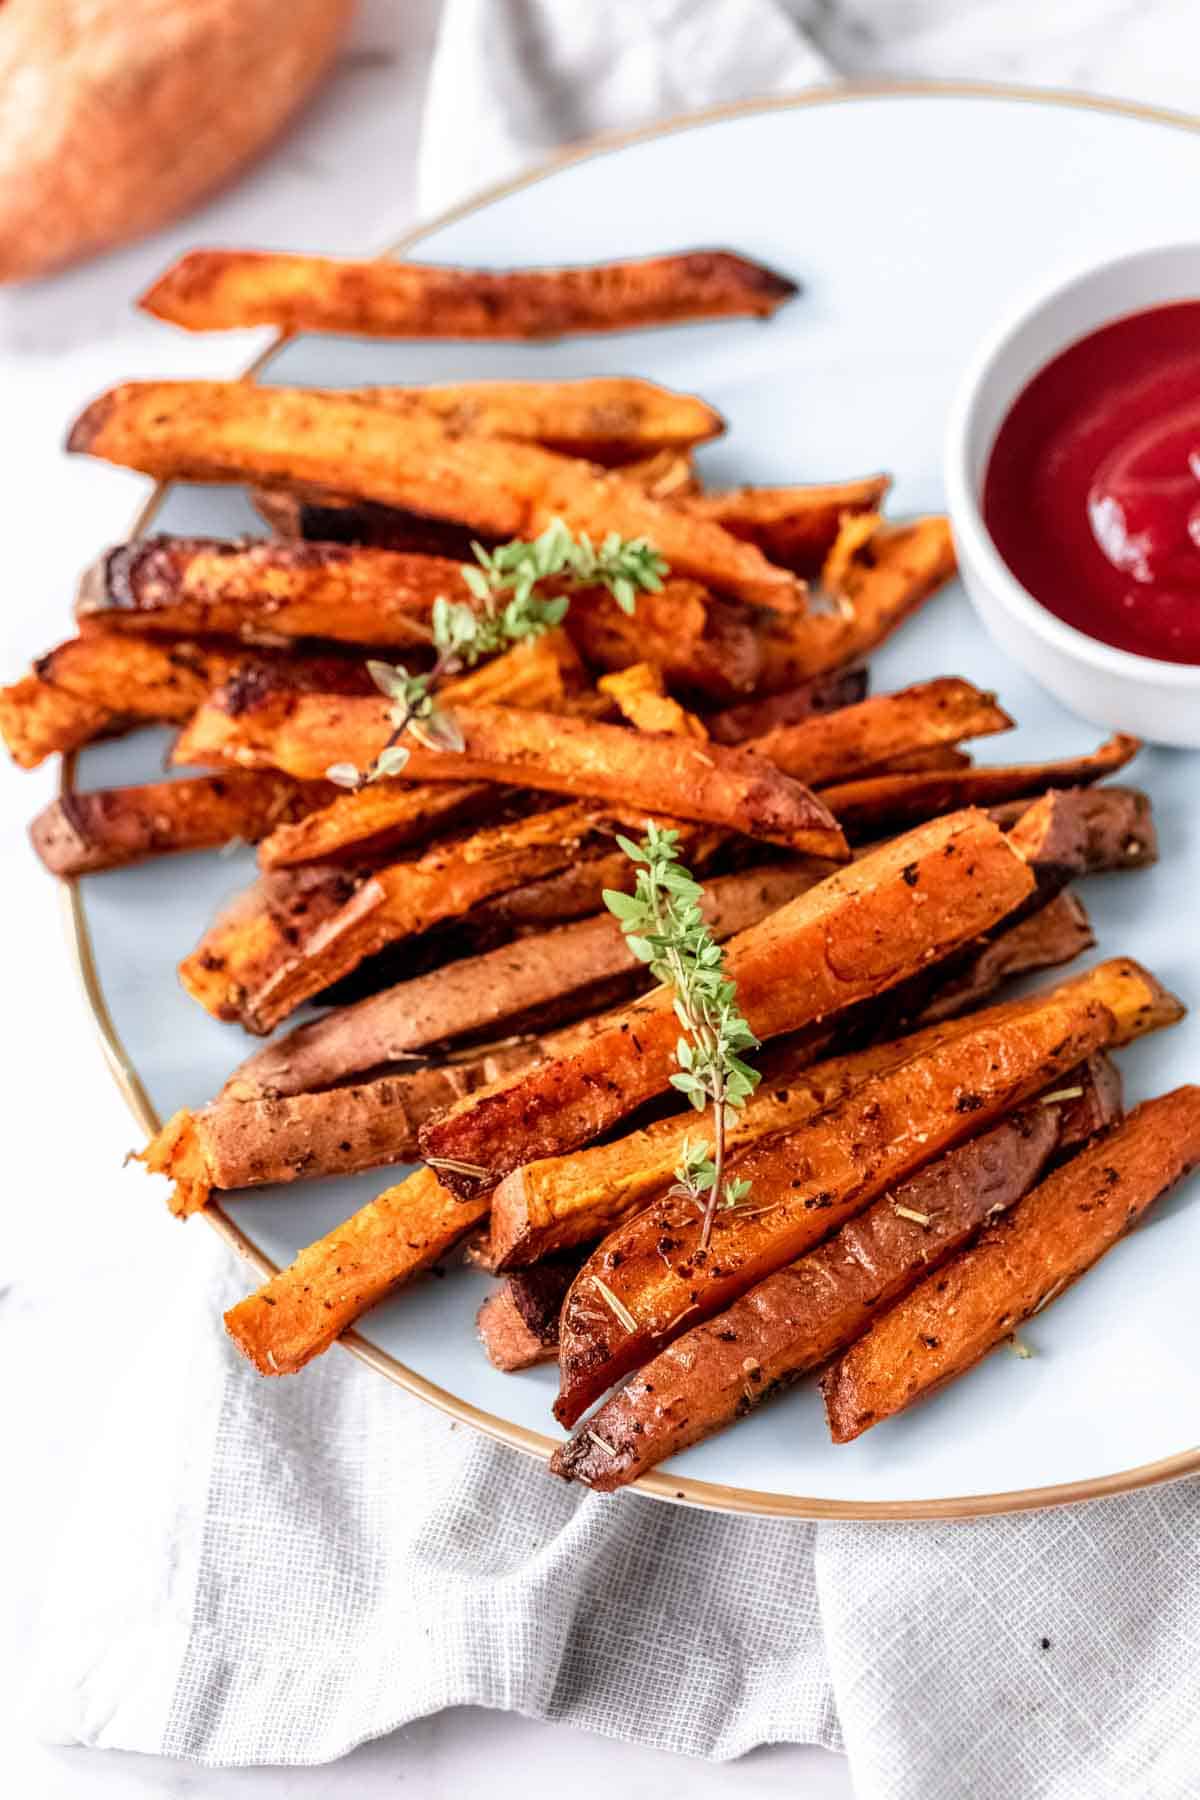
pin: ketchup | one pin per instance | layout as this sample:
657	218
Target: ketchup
1092	491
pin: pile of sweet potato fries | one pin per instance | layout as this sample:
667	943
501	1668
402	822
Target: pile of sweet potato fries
928	1164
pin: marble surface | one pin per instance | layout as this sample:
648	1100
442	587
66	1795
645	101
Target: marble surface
78	1244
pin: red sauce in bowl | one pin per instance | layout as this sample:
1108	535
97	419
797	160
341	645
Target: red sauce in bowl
1092	491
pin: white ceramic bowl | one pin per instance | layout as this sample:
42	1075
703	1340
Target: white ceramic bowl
1157	700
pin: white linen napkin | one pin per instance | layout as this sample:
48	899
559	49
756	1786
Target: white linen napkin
273	1572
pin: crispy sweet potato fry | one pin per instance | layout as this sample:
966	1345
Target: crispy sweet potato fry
857	933
516	987
795	526
518	1322
363	825
326	518
806	1184
237	431
880	574
37	719
798	1317
548	1205
871	805
216	290
931	714
299	1312
603	418
1024	1259
110	828
641	696
1080	831
755	718
667	475
256	1143
709	784
704	645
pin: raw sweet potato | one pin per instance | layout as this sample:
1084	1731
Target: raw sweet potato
674	777
795	526
238	431
256	1143
868	806
518	1322
655	1279
110	828
216	290
1024	1260
300	1311
800	1316
515	987
856	933
932	713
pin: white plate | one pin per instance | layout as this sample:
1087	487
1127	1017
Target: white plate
912	220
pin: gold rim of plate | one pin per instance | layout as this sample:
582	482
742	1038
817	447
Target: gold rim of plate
714	1496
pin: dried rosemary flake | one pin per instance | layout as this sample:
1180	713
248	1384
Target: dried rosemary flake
453	1167
617	1307
1048	1296
1018	1347
918	1218
601	1444
1073	1093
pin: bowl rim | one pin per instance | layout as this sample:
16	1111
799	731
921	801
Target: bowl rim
963	501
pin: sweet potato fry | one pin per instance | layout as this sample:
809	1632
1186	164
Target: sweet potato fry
110	828
601	763
868	806
517	987
518	1322
667	475
879	574
800	1316
327	518
806	1184
704	645
237	431
37	719
299	1312
257	1143
795	526
1024	1259
856	933
217	290
374	821
755	718
641	696
931	714
1081	831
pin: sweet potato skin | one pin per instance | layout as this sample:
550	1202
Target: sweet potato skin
300	1311
755	718
82	833
800	1316
510	988
873	804
518	1322
238	431
1028	1256
858	932
808	1183
214	290
663	774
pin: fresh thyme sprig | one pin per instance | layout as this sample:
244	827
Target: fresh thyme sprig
504	583
665	928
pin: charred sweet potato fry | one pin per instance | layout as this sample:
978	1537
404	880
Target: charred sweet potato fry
856	933
755	718
327	518
1024	1259
515	987
931	714
518	1322
868	806
216	290
300	1311
237	431
257	1143
110	828
601	763
806	1184
795	526
803	1314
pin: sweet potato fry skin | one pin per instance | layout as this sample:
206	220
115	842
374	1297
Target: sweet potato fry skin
932	713
665	775
858	932
299	1312
255	1143
82	833
806	1184
795	526
1081	831
237	431
870	805
326	518
518	1322
755	718
1025	1258
504	990
216	290
800	1316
